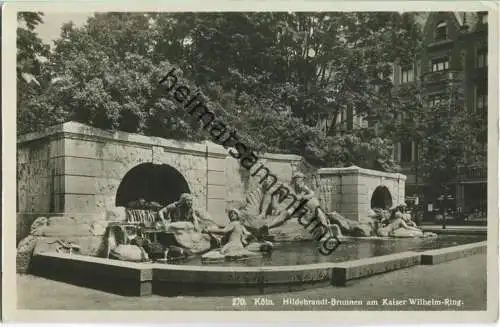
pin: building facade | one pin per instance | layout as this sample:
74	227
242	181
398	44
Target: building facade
455	47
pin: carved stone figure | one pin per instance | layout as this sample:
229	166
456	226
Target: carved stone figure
266	207
187	223
253	214
236	241
348	227
400	225
184	210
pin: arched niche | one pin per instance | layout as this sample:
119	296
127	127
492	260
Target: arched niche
160	183
381	198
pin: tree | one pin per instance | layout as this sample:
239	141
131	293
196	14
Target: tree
317	65
447	136
32	56
272	76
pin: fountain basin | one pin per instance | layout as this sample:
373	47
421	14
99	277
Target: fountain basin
142	279
195	280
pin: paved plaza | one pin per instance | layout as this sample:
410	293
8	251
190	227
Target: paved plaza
463	279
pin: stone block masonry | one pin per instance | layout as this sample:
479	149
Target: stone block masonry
75	170
350	190
78	171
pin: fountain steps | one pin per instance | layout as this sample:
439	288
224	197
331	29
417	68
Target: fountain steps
142	279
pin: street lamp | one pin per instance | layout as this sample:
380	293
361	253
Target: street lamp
444	197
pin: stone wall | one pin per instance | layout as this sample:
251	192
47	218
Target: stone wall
349	190
73	169
39	165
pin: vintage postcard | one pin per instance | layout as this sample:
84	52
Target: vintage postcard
257	161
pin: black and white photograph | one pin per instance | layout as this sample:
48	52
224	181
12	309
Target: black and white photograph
251	160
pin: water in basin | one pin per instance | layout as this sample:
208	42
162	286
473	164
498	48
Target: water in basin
300	253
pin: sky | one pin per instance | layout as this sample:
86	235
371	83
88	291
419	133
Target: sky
52	22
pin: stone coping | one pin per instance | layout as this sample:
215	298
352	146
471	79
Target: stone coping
354	170
211	268
80	130
281	157
456	230
433	257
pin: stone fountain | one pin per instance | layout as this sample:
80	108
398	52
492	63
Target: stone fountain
74	180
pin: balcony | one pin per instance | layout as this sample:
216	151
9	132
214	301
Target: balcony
448	43
473	173
442	76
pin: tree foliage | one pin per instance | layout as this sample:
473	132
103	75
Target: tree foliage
32	56
447	135
280	79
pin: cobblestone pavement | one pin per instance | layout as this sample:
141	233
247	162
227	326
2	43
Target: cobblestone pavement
460	280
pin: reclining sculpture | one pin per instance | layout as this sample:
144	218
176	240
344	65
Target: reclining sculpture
262	212
237	242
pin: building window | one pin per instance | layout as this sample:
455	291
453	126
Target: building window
407	74
435	100
481	100
463	57
483	18
482	58
441	32
406	151
440	64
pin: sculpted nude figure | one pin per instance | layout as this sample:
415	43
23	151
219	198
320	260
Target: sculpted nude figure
303	193
236	235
